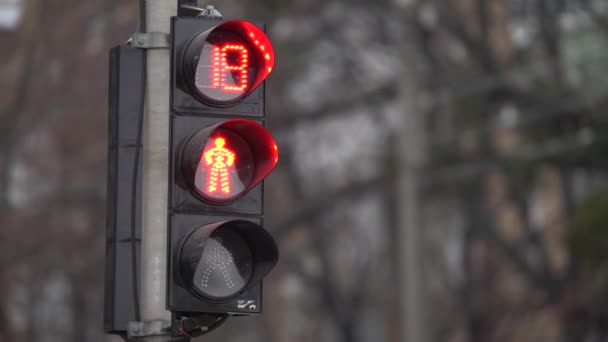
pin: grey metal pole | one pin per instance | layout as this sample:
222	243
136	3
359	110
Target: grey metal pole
155	169
412	155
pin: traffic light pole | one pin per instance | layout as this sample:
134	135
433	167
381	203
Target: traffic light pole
155	170
412	154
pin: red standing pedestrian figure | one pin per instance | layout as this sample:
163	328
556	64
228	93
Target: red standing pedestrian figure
221	160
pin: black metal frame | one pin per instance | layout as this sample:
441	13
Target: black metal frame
125	93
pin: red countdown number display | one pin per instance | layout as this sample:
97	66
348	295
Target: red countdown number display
228	62
226	67
230	68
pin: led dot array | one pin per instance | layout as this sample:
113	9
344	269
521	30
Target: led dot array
218	259
221	160
222	68
262	47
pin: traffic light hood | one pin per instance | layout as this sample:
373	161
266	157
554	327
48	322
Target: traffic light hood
261	46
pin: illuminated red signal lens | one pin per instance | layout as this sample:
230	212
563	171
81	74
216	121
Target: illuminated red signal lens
225	168
221	163
228	62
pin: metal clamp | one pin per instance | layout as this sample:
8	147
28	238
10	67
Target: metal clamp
211	13
149	328
151	40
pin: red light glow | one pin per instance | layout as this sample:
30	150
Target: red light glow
222	162
262	49
276	152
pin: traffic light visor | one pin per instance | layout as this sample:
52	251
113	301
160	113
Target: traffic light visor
227	62
220	163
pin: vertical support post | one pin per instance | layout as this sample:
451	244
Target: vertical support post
411	155
155	169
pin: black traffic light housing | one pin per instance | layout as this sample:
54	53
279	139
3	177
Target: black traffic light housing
218	252
123	226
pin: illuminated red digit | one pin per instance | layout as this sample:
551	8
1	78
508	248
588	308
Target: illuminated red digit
222	68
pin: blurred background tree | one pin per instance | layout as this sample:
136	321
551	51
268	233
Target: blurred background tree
511	93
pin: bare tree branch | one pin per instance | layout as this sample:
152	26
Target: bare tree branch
600	20
339	107
316	207
555	149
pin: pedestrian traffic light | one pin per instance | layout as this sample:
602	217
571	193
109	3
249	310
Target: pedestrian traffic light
220	154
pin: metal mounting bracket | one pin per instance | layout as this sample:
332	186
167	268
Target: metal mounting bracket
149	328
151	40
211	13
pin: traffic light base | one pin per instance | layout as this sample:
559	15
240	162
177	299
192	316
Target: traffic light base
180	329
138	330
